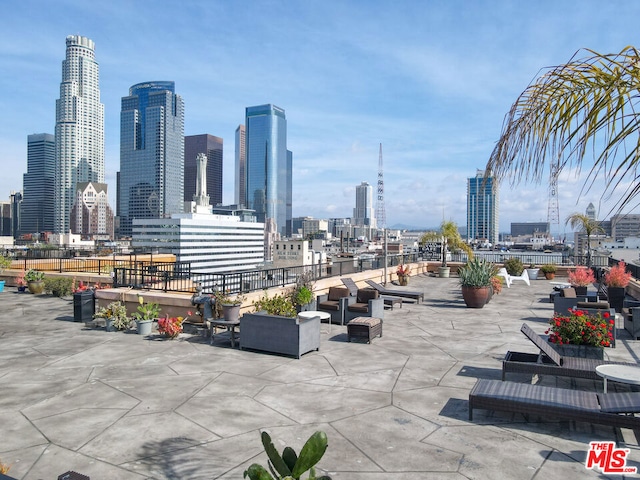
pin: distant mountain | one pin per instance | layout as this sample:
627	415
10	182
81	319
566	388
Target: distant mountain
402	226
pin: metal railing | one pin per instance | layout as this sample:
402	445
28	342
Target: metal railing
181	278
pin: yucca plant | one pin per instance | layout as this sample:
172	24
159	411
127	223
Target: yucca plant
477	273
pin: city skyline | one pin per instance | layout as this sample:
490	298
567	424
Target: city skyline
431	82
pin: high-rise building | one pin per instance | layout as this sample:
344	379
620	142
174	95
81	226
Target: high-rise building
482	208
364	212
37	209
241	163
79	134
151	153
590	212
91	215
269	166
212	147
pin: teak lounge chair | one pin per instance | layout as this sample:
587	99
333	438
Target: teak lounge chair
417	296
550	362
603	408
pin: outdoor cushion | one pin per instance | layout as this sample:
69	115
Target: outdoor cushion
598	305
569	292
329	305
359	307
336	293
366	294
371	321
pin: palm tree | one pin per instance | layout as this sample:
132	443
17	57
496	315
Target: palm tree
450	238
586	105
581	222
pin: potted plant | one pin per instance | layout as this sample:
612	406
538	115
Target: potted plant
475	279
277	305
228	307
115	316
580	278
532	271
578	333
514	266
145	315
35	281
616	280
5	262
549	271
403	272
302	294
450	239
171	327
21	282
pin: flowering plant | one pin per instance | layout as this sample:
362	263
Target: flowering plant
146	311
171	326
117	312
496	283
403	270
580	328
617	276
81	287
581	277
20	282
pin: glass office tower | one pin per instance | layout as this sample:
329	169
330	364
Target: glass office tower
241	162
79	127
212	147
36	208
268	166
482	208
151	153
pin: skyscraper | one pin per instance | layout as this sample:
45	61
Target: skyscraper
364	213
241	162
79	134
151	153
212	147
36	209
269	166
482	208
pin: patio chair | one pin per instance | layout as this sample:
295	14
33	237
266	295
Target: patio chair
389	300
524	277
414	295
368	304
335	302
613	409
550	362
502	272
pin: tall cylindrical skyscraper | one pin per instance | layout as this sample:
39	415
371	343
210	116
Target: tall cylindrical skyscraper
79	130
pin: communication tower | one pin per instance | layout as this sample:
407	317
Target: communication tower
553	213
381	219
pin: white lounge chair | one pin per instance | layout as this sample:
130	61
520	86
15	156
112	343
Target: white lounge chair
524	277
507	278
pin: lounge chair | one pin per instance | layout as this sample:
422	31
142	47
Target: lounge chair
417	296
550	362
502	272
611	409
389	300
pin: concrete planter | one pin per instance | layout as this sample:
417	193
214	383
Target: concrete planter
144	327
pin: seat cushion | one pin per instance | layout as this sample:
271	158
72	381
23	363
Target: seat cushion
359	307
336	293
598	305
623	402
569	292
366	294
371	321
329	305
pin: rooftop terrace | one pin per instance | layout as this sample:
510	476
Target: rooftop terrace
122	406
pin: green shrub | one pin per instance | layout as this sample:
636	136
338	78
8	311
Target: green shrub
514	266
276	305
58	286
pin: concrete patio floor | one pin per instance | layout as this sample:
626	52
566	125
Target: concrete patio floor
122	406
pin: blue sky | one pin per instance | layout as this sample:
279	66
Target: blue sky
430	80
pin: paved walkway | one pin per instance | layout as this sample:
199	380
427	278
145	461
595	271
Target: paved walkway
121	406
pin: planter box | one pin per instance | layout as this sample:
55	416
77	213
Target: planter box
581	351
276	334
84	306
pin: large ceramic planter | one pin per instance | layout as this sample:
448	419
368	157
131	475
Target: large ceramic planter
550	275
475	297
533	273
443	272
230	312
144	327
616	297
36	287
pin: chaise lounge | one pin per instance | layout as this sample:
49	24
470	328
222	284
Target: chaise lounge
389	300
417	296
550	362
613	409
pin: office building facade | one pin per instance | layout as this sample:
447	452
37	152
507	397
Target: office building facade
240	164
151	153
482	208
364	212
211	146
91	215
38	185
79	133
268	166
